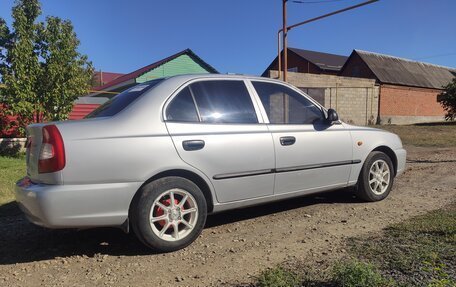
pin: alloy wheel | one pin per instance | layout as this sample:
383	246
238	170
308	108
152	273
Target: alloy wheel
173	214
379	177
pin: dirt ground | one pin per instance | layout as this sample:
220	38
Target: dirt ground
234	246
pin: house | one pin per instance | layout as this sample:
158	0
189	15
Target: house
408	90
367	88
101	78
316	74
184	62
305	61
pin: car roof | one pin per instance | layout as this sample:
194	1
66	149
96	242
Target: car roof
188	77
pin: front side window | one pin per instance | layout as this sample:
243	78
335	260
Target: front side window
219	101
285	106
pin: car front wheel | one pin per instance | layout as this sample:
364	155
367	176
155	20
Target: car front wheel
169	213
376	177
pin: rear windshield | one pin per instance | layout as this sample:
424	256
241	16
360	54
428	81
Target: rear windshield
122	100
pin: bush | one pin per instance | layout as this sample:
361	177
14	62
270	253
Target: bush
358	274
278	277
10	149
448	100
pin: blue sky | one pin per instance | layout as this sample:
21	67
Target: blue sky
239	36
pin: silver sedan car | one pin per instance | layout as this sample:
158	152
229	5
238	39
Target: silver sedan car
163	154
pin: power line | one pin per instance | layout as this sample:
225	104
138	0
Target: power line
436	56
286	28
315	2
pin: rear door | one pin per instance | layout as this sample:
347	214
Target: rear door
217	128
310	153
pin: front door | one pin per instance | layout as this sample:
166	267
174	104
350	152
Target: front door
310	154
215	128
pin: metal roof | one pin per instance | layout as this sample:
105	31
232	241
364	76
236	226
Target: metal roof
139	72
394	70
105	77
324	61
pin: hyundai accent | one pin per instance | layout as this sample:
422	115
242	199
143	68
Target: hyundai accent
160	156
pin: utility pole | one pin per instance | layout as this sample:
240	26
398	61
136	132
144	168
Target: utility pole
285	30
284	39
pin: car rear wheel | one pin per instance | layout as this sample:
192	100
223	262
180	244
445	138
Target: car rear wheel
376	177
168	214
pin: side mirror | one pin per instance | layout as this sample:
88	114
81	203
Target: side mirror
332	116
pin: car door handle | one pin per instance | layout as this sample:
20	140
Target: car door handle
287	140
193	145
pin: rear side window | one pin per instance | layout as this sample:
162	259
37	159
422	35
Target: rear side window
122	100
224	102
285	106
219	101
182	108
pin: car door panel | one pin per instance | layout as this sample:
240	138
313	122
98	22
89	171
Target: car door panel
318	158
310	153
225	140
237	158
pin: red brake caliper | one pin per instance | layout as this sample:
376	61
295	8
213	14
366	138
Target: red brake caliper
160	212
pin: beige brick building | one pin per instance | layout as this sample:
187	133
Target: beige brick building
355	100
371	88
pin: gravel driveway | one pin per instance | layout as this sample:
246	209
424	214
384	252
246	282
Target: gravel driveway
234	245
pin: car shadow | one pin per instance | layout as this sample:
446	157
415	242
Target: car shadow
429	161
23	242
338	196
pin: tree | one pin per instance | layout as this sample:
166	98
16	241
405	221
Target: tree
448	100
65	73
40	65
4	40
20	66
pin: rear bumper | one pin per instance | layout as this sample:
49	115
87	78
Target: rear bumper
401	155
75	206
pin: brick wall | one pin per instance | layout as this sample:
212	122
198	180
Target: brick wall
356	105
354	99
402	105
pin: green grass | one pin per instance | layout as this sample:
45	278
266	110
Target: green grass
355	273
278	277
11	170
420	251
430	135
348	273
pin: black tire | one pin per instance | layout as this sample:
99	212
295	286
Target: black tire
372	192
146	199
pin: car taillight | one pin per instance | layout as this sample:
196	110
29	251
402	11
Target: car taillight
52	154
